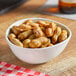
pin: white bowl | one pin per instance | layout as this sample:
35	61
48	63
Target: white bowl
37	55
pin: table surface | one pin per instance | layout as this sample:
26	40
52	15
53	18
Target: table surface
62	65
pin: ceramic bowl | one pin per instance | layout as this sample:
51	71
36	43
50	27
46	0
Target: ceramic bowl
37	55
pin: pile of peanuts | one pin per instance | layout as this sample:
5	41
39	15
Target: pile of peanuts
37	34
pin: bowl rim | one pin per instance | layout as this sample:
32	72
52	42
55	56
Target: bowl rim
70	33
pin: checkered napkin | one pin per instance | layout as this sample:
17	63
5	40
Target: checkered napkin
13	70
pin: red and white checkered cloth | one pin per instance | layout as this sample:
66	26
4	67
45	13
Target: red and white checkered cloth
13	70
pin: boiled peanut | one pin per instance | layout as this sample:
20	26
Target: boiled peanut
35	43
32	36
34	25
54	39
25	27
45	45
49	32
11	35
28	22
43	29
52	25
47	22
63	36
16	30
14	40
50	44
26	43
38	32
58	31
42	23
24	35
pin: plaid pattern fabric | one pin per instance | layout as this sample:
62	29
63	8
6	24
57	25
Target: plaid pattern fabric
13	70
